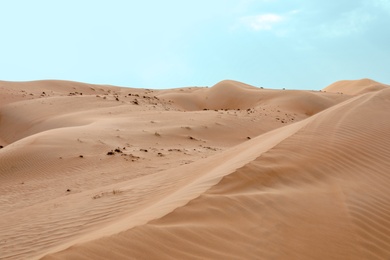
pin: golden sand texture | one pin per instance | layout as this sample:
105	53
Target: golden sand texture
226	172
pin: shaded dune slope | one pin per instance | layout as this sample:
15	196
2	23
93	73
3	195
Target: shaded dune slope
296	200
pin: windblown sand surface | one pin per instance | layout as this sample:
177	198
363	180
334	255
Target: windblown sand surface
227	172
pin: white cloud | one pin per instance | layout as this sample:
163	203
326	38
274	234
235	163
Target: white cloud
262	22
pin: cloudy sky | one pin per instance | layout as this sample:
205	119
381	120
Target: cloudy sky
293	44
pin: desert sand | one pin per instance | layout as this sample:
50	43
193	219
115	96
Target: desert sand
230	171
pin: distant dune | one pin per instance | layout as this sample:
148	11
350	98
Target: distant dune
355	87
227	172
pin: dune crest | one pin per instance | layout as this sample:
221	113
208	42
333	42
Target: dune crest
227	172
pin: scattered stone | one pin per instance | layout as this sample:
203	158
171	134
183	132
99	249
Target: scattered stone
143	150
248	137
133	158
81	156
1	146
174	150
68	190
97	196
110	153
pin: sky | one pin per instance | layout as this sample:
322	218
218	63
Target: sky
292	44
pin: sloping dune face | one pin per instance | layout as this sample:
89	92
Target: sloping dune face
188	183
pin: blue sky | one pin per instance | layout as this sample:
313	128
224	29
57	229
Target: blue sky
293	44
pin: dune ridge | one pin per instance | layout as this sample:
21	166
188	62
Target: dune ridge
191	183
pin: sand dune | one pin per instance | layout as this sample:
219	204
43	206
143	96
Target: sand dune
355	87
236	95
227	172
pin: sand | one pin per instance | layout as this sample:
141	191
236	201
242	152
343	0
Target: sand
227	172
